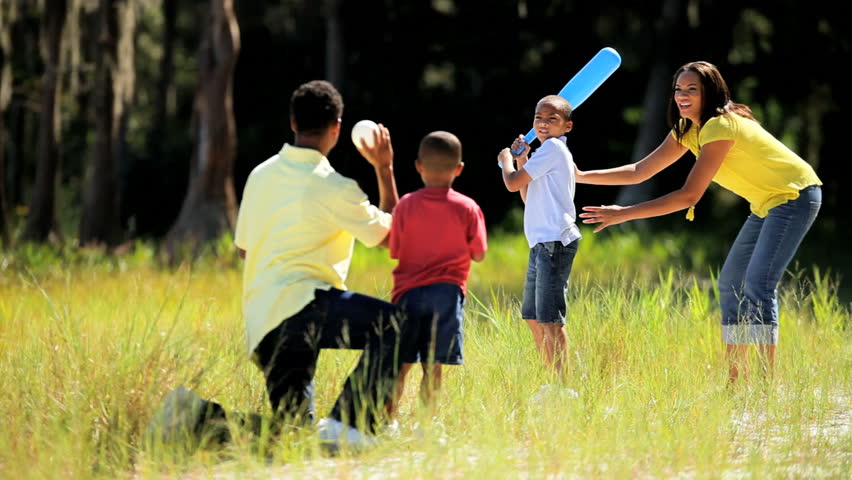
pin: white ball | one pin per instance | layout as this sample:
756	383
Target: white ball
362	133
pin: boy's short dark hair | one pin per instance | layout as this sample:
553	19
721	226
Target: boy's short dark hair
440	151
564	106
315	106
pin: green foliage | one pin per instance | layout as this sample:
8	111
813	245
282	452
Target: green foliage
52	260
91	342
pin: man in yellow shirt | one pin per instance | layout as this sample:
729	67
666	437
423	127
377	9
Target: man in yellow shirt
296	228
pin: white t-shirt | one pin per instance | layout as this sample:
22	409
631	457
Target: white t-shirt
549	214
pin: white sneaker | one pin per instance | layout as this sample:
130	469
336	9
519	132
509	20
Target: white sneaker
393	429
553	392
335	434
178	418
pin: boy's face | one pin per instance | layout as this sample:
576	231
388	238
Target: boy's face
549	122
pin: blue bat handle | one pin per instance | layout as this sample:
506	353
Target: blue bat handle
585	82
529	137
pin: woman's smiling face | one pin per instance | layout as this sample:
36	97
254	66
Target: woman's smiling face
688	96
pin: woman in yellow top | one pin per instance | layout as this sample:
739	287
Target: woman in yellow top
733	150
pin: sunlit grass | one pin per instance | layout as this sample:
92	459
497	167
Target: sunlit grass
90	345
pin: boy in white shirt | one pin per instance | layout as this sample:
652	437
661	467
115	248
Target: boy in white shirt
546	182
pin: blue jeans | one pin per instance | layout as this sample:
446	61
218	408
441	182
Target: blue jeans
439	310
758	258
340	320
547	281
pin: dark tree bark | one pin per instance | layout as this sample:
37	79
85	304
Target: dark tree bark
653	124
209	209
5	97
42	212
99	223
334	48
164	82
4	220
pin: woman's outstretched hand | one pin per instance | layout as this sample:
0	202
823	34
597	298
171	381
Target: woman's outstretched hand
605	215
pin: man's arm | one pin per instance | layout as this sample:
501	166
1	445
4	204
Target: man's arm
380	156
388	195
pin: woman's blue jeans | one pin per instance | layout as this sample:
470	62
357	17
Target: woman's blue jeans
758	258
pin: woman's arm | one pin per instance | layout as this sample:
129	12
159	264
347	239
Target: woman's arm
702	173
666	154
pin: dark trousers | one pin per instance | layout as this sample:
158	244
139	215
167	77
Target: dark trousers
340	320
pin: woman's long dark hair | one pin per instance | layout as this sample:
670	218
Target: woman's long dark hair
716	98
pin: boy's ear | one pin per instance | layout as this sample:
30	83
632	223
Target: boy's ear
459	168
293	126
569	125
418	166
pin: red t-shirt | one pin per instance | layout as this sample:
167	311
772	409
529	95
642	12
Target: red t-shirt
434	234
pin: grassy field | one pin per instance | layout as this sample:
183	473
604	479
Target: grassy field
90	345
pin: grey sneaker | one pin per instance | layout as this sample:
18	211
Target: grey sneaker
178	419
335	435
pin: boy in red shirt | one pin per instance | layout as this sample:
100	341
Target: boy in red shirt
436	232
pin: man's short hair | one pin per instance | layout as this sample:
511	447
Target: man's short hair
440	151
315	106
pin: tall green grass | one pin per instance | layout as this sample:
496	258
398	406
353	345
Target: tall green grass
90	344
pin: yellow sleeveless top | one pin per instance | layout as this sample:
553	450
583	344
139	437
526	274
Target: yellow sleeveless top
758	167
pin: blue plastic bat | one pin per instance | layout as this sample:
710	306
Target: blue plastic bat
586	81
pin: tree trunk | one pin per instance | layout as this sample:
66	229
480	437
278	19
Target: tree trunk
4	221
5	97
42	212
333	44
209	209
164	82
99	223
652	127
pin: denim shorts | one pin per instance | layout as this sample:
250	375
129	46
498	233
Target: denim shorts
755	264
439	309
547	281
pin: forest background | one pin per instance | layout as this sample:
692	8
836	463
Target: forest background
125	120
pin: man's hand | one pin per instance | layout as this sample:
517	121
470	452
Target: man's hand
380	154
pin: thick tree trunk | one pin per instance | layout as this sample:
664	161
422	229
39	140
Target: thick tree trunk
99	223
209	209
653	124
42	211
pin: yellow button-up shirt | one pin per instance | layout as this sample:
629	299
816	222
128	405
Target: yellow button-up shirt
297	223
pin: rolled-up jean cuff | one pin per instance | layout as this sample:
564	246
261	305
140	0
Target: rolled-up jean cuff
744	334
